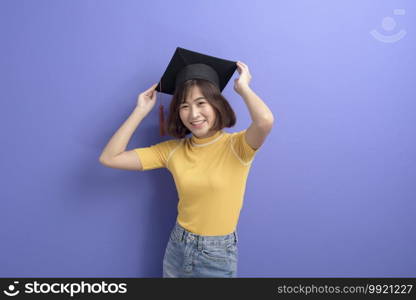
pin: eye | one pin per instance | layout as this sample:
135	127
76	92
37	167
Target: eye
202	102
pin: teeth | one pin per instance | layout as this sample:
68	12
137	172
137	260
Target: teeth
196	123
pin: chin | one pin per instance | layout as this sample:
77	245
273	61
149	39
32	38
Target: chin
199	133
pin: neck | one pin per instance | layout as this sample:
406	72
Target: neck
206	138
207	135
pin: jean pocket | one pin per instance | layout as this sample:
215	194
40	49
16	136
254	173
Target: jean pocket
215	253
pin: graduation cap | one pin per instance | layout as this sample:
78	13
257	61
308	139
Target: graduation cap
185	65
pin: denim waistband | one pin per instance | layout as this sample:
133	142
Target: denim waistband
182	234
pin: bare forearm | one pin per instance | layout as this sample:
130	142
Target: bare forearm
259	111
121	138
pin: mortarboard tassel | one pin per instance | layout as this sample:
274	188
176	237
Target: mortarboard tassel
161	120
162	124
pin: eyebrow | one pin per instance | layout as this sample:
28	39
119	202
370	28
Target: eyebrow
199	98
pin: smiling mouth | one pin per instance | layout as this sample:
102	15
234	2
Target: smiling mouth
198	124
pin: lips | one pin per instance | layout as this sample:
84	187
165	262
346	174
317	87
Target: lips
198	124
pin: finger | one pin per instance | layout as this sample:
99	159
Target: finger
154	93
150	93
244	65
152	88
242	69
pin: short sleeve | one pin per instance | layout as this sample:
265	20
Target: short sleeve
241	148
156	156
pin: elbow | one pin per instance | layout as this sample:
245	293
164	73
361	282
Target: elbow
266	123
102	161
270	121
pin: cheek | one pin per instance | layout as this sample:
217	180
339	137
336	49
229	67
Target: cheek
182	115
211	113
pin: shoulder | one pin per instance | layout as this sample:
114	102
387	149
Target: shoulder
171	142
243	151
235	134
166	146
229	137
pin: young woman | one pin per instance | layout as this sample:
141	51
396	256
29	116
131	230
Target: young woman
210	170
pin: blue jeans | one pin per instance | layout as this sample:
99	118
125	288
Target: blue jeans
191	255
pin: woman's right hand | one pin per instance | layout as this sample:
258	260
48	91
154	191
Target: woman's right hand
147	99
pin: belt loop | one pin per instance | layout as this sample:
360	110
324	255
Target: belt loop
183	234
235	237
199	243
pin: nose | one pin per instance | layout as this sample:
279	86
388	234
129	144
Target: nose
194	112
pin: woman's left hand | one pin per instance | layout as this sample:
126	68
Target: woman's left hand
243	81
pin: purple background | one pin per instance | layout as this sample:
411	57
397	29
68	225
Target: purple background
331	193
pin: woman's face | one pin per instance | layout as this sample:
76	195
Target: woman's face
197	114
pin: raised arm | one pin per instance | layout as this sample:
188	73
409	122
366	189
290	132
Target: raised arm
261	116
114	154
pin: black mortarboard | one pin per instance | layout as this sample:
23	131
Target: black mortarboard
186	64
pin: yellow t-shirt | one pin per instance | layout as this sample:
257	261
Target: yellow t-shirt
210	176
